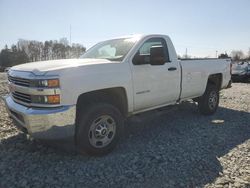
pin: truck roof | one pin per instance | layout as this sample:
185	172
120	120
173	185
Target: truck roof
139	36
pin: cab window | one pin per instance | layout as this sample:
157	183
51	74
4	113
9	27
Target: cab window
153	45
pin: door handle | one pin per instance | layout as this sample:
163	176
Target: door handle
172	68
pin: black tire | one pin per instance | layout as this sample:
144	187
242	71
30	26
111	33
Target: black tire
209	101
86	136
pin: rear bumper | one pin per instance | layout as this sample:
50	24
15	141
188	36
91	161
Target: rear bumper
43	123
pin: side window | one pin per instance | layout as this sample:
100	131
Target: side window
143	54
145	49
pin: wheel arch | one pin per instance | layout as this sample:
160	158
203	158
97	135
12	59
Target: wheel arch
116	96
215	79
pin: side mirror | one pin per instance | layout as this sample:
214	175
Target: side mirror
157	55
140	59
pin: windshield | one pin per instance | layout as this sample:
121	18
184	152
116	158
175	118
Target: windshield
114	50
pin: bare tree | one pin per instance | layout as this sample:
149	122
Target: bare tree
31	50
237	55
248	55
77	50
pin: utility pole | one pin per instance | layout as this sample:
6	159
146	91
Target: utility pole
186	53
216	54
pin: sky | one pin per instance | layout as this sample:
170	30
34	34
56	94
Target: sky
201	27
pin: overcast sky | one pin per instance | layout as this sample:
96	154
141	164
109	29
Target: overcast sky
203	27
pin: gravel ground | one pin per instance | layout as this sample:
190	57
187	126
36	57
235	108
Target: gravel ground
171	147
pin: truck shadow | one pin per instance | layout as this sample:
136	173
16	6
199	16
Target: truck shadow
169	147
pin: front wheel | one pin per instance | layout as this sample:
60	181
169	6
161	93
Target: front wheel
209	101
99	129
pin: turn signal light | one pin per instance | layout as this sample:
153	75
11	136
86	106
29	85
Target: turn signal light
53	99
53	83
45	99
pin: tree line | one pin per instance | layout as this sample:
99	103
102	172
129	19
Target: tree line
31	50
235	55
239	55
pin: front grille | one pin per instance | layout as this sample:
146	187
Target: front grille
19	81
22	97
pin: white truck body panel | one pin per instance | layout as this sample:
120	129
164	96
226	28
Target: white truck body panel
195	74
151	83
146	86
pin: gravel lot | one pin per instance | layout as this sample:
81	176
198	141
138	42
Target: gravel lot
171	147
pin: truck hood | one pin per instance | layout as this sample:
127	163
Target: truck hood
41	67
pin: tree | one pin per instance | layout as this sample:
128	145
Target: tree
31	50
248	58
77	50
223	56
14	48
237	55
64	41
12	57
5	59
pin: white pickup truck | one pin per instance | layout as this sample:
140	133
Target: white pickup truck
85	101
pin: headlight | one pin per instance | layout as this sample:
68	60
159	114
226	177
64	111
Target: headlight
50	83
46	99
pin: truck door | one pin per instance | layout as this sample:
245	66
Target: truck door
154	83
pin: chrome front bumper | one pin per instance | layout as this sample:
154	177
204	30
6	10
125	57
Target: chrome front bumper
43	123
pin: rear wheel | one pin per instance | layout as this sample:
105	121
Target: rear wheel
209	101
99	129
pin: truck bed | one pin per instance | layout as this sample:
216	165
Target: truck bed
195	74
